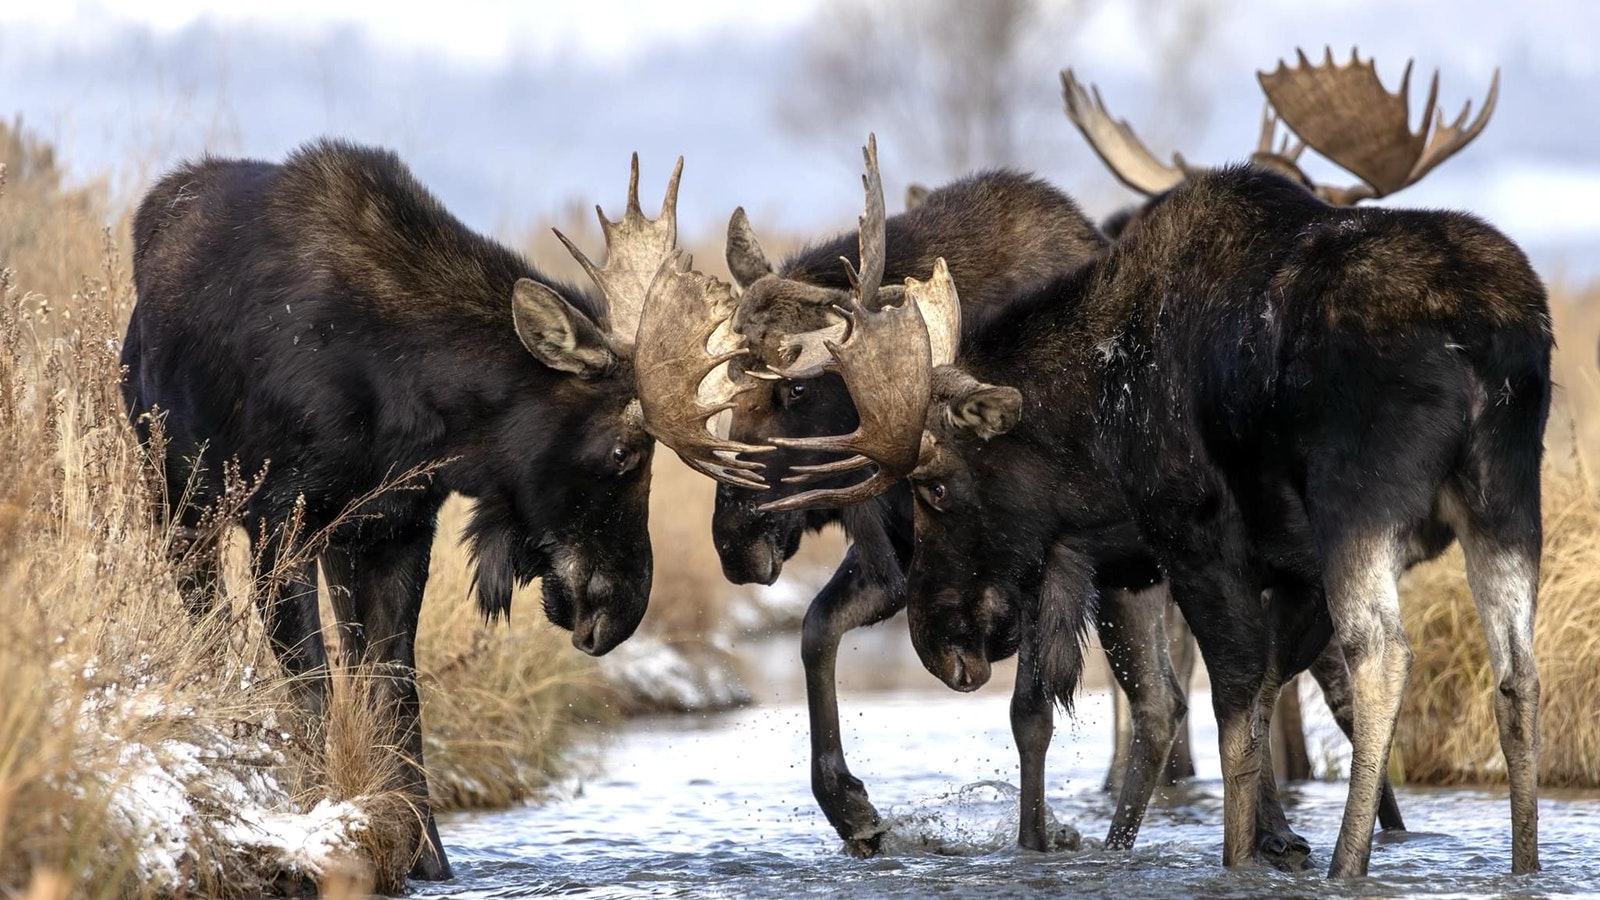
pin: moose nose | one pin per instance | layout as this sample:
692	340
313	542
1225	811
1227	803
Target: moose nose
750	561
587	631
968	672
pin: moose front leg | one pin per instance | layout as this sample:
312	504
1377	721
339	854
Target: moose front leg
851	599
382	585
1032	724
285	589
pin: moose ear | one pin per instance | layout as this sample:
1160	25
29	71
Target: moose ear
745	260
987	409
556	334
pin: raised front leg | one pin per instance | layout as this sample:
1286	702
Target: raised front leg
1133	630
1180	762
382	584
852	598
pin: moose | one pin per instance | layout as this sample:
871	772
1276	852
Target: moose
1345	113
1292	402
1004	234
326	323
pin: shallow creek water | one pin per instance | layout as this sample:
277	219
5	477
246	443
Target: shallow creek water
720	806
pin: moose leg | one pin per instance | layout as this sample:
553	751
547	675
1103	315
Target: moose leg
385	583
1180	764
1333	677
850	600
1122	732
1032	725
1277	843
1133	629
1365	606
286	594
1504	577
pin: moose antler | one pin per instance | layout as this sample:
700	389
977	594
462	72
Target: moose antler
1345	113
1116	144
886	360
684	339
635	250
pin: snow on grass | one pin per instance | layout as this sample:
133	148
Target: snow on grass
211	800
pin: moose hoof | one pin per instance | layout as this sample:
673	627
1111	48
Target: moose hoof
431	864
1285	851
866	842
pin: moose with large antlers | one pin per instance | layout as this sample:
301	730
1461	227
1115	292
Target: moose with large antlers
1294	402
1004	234
1345	113
325	322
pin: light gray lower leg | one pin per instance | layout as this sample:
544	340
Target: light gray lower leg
1504	586
1366	612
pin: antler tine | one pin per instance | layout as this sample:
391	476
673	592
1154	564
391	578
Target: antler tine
669	203
872	229
633	193
682	316
635	249
1115	143
1449	139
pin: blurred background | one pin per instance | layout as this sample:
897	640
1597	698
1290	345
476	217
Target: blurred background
515	113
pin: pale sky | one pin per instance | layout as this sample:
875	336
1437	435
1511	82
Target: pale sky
485	31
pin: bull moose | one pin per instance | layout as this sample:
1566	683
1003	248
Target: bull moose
1293	401
327	323
1343	111
1004	234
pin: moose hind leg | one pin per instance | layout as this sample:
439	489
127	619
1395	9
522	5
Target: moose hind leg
1133	629
849	600
1504	578
1333	677
1359	574
1276	841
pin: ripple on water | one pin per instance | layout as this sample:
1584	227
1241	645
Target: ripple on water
722	807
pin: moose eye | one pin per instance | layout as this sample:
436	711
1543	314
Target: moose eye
623	456
795	392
